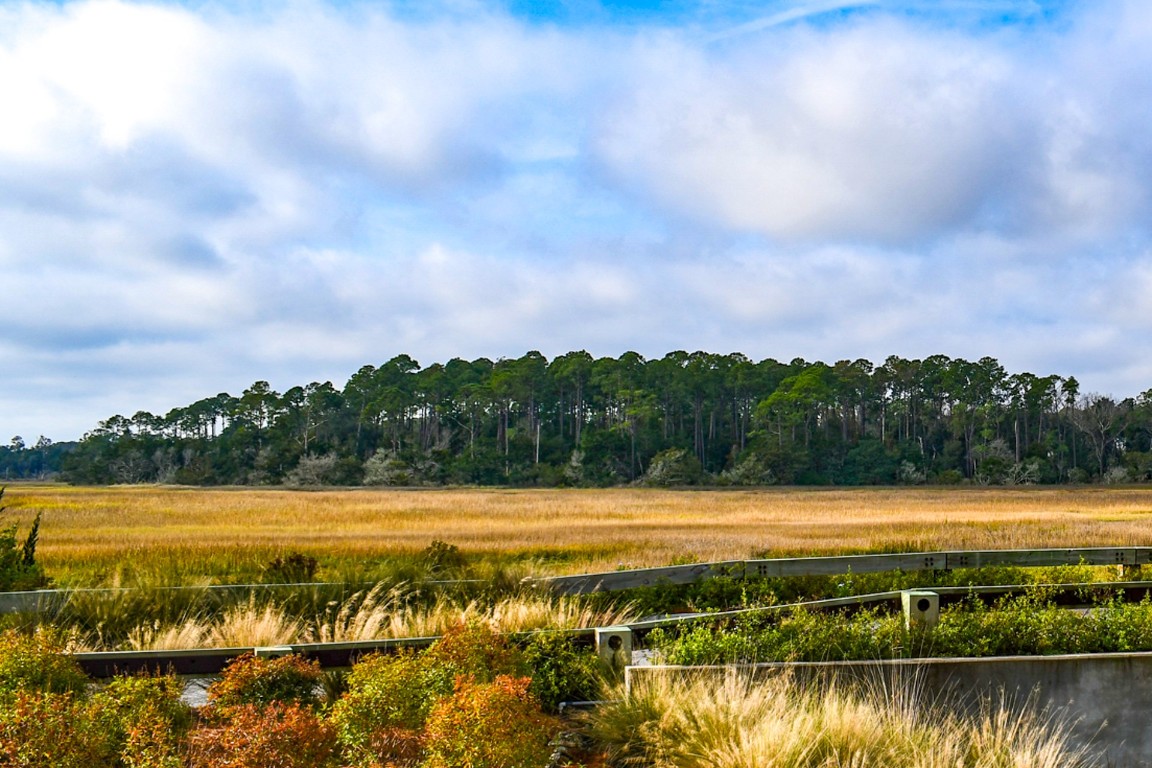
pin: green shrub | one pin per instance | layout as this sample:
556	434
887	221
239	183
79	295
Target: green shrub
1029	624
1034	625
489	725
294	568
37	662
382	714
18	567
797	635
727	592
144	719
253	680
275	735
39	729
441	558
561	671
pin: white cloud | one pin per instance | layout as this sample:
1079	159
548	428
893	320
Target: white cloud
193	198
879	132
889	132
105	68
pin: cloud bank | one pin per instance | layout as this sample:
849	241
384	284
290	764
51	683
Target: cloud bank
196	197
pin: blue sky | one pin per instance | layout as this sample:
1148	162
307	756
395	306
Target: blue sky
196	196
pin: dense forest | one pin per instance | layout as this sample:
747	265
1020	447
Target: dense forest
683	419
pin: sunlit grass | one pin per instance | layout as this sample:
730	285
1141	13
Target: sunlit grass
180	535
729	722
386	614
377	613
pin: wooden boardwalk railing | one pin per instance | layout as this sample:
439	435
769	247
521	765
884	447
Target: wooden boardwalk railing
829	566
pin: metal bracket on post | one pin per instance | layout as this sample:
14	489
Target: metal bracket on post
614	647
272	651
921	608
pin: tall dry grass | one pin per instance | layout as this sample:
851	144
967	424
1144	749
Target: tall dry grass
730	722
90	534
389	613
379	613
241	626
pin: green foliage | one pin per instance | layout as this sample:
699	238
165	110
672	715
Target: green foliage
489	725
262	736
387	701
254	680
731	593
715	594
561	671
293	568
870	463
37	662
673	467
18	567
683	419
1030	624
440	557
798	635
144	719
1033	625
39	461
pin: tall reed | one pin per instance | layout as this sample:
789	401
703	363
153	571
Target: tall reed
731	722
381	612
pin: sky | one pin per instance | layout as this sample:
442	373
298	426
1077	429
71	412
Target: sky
198	195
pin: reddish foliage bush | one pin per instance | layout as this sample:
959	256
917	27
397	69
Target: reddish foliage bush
253	680
489	725
395	748
271	736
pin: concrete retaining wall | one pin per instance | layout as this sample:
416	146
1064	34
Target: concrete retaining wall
1109	696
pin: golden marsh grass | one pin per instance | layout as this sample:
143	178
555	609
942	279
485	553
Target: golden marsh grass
779	723
374	614
94	534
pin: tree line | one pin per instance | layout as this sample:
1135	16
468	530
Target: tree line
683	419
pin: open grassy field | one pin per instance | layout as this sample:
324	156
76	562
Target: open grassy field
97	535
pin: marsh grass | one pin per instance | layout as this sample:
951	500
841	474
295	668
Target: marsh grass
381	612
514	613
777	722
240	626
181	535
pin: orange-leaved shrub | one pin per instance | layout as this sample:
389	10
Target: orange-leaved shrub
251	679
41	728
489	725
276	735
474	649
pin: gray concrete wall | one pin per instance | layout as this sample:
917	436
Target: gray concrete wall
1108	696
